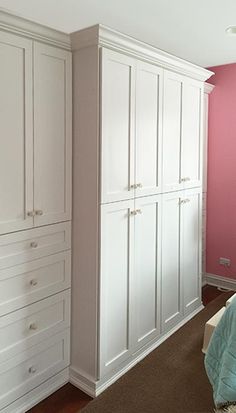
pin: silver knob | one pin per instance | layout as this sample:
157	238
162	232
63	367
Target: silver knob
32	370
181	201
39	212
33	326
33	282
31	213
186	200
33	244
139	185
138	211
134	186
133	213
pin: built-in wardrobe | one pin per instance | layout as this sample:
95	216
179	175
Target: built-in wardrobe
35	212
137	201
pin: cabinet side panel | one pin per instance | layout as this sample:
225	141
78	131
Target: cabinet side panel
85	210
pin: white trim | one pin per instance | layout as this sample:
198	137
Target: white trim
100	35
222	282
208	88
18	25
94	388
38	394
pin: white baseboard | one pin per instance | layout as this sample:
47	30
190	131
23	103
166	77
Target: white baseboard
94	388
26	402
221	282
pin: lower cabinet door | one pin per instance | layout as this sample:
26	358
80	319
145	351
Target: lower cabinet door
191	256
116	306
147	247
172	285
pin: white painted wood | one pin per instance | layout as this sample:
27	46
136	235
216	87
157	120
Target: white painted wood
52	134
172	286
32	367
16	133
148	144
116	305
191	254
219	281
33	324
172	129
191	136
117	126
26	283
28	245
147	269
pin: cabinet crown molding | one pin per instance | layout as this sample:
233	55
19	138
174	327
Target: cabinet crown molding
103	36
208	88
12	23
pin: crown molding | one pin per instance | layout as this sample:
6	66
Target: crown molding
20	26
208	87
103	36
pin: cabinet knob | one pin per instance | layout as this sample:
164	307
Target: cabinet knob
31	213
133	186
139	185
185	179
38	212
33	282
138	211
33	244
32	370
33	326
133	212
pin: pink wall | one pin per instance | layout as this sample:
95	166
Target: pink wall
221	202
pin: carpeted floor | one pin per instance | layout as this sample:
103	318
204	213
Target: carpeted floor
171	379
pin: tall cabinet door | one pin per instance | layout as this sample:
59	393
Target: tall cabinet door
172	124
52	134
116	306
147	268
16	133
149	88
192	133
117	126
172	281
191	254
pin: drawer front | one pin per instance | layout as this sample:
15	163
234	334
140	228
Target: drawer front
28	245
32	367
30	325
32	281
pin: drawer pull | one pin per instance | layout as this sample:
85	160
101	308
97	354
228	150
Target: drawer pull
39	212
33	326
32	370
33	283
34	244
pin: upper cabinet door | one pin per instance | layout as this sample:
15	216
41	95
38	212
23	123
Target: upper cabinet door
149	85
191	142
52	134
172	123
117	126
16	133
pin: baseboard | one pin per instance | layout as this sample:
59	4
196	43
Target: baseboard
26	402
94	388
221	282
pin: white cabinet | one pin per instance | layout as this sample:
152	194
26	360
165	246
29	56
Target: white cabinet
136	185
182	132
130	285
35	115
52	134
131	127
181	255
16	133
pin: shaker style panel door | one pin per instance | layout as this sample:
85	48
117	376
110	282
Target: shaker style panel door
117	229
191	144
147	269
172	124
172	286
117	126
16	133
149	88
52	134
191	256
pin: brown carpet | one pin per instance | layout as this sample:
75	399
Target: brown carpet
170	379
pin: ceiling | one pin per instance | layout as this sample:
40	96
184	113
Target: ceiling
191	29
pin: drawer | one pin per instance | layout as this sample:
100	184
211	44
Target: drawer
28	245
32	281
29	369
30	325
